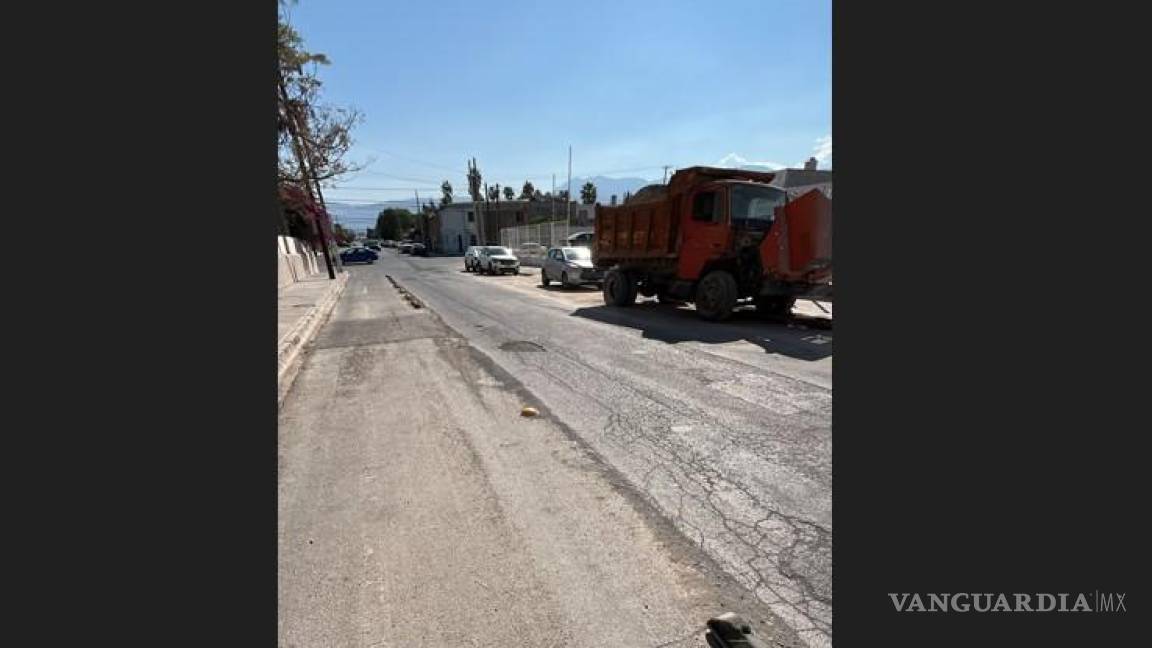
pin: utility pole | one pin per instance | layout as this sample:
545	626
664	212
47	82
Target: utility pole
568	198
291	121
474	191
419	213
665	174
497	185
553	201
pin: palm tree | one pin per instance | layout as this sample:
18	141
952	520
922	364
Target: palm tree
588	193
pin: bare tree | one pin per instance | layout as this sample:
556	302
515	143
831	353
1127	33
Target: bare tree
323	130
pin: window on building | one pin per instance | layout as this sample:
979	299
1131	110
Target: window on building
471	217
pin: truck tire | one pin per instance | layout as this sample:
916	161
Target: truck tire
716	296
619	289
776	306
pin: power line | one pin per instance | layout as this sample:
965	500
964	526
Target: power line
363	201
412	159
397	177
386	188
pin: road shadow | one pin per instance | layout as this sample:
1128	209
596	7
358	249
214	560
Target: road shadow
557	288
801	337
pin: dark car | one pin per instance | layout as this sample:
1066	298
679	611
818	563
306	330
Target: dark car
419	249
358	255
581	239
375	247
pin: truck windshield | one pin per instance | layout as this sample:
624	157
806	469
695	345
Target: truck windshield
755	206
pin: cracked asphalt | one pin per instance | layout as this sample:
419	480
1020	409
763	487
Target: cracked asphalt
724	429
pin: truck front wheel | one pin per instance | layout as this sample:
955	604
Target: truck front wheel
716	296
619	289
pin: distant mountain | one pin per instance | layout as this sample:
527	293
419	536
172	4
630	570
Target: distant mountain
360	216
605	187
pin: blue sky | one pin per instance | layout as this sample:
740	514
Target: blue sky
631	85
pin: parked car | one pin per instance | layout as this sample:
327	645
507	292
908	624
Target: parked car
375	247
498	260
472	259
581	239
405	248
358	255
531	253
571	266
419	249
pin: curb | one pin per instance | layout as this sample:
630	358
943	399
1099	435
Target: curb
289	348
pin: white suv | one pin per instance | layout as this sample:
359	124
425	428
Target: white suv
472	259
498	260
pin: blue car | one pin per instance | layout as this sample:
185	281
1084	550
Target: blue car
358	255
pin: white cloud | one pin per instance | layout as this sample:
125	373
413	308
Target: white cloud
734	160
823	151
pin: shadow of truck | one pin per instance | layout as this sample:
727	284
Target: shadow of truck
799	337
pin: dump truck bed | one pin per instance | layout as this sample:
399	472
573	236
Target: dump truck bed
645	230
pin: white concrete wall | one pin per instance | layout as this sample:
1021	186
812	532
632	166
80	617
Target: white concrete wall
295	260
455	223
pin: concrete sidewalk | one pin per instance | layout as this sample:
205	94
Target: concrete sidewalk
301	308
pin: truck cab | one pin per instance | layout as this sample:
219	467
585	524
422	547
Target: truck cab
726	218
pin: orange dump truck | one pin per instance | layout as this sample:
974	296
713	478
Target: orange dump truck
717	237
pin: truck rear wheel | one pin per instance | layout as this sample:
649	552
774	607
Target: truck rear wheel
716	296
619	289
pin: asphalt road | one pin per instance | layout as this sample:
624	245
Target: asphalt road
725	429
417	507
